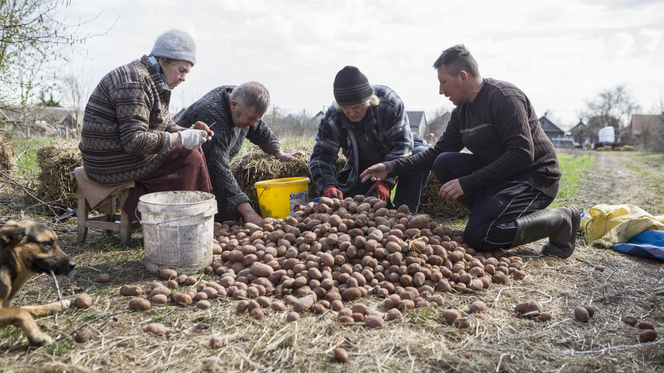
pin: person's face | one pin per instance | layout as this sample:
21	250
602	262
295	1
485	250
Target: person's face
176	72
248	118
355	112
452	86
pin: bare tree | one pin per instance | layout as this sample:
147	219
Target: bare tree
31	38
75	89
612	107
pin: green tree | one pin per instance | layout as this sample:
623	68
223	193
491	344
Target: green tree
31	38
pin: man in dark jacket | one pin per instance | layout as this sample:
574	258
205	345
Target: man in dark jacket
370	125
512	174
233	114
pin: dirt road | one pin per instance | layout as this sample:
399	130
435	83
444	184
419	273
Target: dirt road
635	178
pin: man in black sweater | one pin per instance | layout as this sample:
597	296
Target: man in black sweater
512	173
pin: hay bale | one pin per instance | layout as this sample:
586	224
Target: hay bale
627	148
57	161
7	157
254	165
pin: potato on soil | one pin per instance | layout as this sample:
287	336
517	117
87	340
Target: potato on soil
394	314
544	316
462	323
277	306
131	290
203	304
84	335
257	313
168	274
451	315
216	342
340	355
139	304
104	278
477	306
360	308
647	335
374	322
526	307
159	299
591	310
83	301
156	328
581	314
630	320
646	325
292	316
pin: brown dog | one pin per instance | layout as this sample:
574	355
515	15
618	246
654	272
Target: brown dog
26	249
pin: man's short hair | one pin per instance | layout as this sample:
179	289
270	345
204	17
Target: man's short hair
251	94
458	58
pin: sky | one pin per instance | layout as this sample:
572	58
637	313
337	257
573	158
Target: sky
560	53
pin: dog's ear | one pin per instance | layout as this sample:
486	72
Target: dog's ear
11	232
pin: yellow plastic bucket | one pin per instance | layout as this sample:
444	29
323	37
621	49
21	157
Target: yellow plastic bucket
277	197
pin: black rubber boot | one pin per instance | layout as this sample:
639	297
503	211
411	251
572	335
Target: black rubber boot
559	224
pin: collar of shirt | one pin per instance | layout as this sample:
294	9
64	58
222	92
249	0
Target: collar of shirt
157	66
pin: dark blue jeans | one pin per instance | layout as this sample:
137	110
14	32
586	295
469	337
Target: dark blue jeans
493	209
409	187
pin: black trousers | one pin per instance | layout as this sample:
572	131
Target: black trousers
495	208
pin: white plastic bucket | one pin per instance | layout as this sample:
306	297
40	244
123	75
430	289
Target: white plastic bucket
178	229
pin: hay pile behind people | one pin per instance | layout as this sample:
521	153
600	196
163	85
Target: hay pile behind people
57	161
7	157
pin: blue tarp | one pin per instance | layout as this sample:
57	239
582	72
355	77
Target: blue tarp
648	244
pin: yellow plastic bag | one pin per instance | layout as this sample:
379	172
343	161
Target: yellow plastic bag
607	225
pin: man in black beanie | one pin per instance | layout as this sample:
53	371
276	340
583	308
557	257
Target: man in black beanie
369	124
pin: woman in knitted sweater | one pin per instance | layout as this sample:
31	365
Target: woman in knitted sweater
128	134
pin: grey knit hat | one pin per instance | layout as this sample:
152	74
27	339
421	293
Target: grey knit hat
175	44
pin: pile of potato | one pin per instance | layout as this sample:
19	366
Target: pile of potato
346	249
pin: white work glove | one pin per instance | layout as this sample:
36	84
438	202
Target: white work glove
192	138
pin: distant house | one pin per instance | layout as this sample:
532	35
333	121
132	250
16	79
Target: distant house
582	134
639	123
551	129
418	123
43	121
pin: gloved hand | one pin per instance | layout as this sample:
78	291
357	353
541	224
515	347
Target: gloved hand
333	192
192	138
381	189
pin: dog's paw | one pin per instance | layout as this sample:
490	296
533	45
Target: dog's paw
41	340
65	304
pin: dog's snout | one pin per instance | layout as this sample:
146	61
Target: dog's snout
71	264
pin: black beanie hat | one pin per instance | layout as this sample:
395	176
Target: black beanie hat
351	87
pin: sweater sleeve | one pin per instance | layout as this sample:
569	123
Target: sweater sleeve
132	103
322	164
262	135
218	158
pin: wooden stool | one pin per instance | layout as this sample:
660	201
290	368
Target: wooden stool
110	221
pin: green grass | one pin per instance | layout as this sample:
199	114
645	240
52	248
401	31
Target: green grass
573	169
26	153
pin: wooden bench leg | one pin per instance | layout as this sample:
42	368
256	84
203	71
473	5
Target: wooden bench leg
125	220
82	210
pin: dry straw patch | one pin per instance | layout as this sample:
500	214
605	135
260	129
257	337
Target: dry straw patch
498	340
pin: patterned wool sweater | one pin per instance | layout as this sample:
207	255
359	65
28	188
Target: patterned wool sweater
125	134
